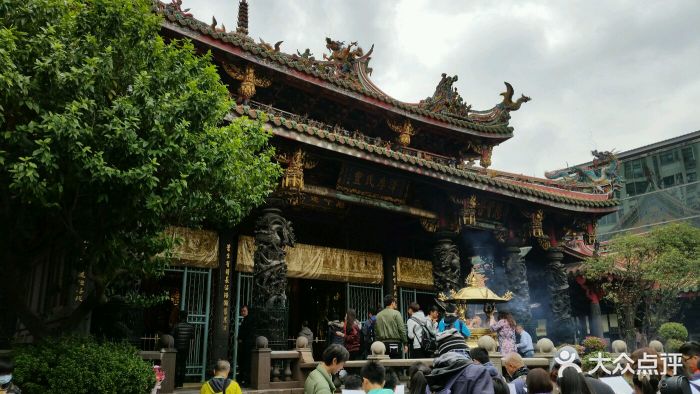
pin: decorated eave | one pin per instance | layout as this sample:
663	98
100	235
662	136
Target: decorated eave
536	190
346	70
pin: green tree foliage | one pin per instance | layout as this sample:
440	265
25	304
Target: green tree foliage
673	331
647	273
82	366
107	135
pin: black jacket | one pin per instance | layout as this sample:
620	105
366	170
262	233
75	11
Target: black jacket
183	334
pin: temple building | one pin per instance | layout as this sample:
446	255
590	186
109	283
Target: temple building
378	196
381	196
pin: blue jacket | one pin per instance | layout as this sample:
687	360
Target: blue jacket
525	344
451	321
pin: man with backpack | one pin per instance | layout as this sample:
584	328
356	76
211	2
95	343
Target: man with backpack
419	335
220	383
367	336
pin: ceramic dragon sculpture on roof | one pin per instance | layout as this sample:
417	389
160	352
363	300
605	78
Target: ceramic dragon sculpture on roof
446	99
343	56
501	112
600	177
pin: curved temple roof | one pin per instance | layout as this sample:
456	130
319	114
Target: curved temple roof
347	67
541	191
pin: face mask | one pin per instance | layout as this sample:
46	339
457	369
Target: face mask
5	379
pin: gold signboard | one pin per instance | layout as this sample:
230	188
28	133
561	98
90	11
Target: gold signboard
199	248
414	273
319	262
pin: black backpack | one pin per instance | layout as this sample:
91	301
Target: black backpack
367	337
427	339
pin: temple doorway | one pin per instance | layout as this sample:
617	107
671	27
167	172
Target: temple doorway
317	302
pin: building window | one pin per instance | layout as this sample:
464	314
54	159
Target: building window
668	157
635	188
691	176
669	181
679	178
634	169
688	157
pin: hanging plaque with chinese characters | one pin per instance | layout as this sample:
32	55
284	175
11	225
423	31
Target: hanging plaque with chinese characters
372	183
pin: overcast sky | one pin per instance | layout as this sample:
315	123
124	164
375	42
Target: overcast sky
602	74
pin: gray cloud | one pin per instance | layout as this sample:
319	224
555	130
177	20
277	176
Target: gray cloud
602	74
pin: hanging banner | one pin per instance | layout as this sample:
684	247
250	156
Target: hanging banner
199	248
319	262
414	273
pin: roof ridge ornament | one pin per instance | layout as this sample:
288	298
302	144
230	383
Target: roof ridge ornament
600	177
508	103
242	27
269	46
446	99
500	113
344	56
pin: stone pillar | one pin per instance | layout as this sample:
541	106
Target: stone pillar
562	325
389	271
222	304
594	297
273	233
445	264
516	274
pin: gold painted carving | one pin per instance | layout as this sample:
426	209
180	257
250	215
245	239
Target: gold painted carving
199	248
536	219
320	262
249	81
545	244
414	273
405	131
429	225
467	210
297	162
591	231
486	156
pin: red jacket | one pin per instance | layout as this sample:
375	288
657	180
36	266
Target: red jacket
352	337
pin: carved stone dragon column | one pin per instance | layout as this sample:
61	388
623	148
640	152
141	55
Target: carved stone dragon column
446	265
516	272
273	234
562	324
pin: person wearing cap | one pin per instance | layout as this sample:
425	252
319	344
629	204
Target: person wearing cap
453	369
451	320
568	355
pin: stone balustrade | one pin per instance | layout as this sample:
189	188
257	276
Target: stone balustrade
286	371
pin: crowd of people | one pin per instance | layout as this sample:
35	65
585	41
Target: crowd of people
417	337
439	334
